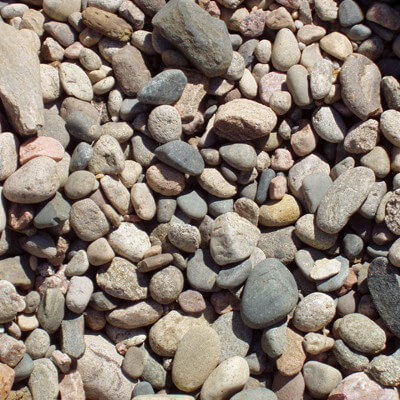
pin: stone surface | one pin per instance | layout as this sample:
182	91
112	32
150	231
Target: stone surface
210	50
43	382
291	362
270	294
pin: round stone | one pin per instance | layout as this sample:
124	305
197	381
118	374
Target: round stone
166	285
164	124
80	184
184	236
285	51
314	312
280	212
329	125
133	363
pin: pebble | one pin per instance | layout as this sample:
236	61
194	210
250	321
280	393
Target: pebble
280	213
297	80
388	121
192	204
164	124
385	370
329	125
229	377
11	302
315	343
270	83
351	360
288	387
37	343
192	301
202	271
51	310
196	357
273	339
291	362
262	310
72	332
314	312
165	180
320	378
166	285
285	52
43	381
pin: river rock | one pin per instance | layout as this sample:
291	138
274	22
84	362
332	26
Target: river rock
204	40
344	198
43	381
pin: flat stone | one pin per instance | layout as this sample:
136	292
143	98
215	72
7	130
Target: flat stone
360	81
72	333
98	363
83	127
233	238
202	271
34	182
243	119
16	270
241	156
210	50
181	156
165	180
269	295
53	213
43	382
280	212
79	293
328	124
196	357
192	204
60	10
325	268
164	88
51	310
344	198
335	282
20	83
314	188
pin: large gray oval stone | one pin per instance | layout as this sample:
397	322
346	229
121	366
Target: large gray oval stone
269	295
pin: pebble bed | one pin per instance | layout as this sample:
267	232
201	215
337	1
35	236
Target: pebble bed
199	200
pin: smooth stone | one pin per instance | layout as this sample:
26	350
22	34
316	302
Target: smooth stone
37	343
51	310
20	83
385	291
243	119
288	388
350	13
255	394
181	156
314	312
24	368
233	276
344	198
337	45
34	182
83	127
362	334
297	80
100	361
321	79
234	336
263	186
40	245
9	154
336	281
291	362
314	189
357	74
352	245
391	92
75	82
329	125
229	377
133	363
53	213
241	156
349	359
164	124
164	88
196	357
192	204
388	122
285	52
194	32
16	271
280	212
165	180
142	389
43	381
269	295
60	10
72	333
233	238
320	378
166	285
117	194
202	271
273	339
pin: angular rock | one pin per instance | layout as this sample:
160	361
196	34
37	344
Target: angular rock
204	40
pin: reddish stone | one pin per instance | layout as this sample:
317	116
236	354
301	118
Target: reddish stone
360	386
253	25
213	9
192	301
20	215
41	146
7	375
350	282
270	83
288	388
62	248
71	387
291	362
277	188
224	302
282	160
58	280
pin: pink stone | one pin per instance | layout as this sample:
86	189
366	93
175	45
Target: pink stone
61	360
213	9
72	52
277	188
360	386
58	280
192	301
253	25
224	302
288	387
71	387
7	375
304	141
41	146
282	160
270	83
20	215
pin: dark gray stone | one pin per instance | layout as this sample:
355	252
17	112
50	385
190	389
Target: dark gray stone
203	39
72	335
202	271
269	295
358	32
142	388
350	13
51	310
351	360
241	156
335	282
83	127
192	204
164	88
384	287
217	206
154	372
17	271
81	156
165	209
24	368
102	302
181	156
265	179
235	275
352	245
53	213
54	127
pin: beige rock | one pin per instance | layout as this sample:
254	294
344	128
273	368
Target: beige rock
71	387
7	375
280	213
337	45
213	182
143	201
290	363
165	180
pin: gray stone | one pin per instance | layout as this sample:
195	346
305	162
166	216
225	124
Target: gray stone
335	282
34	182
234	275
321	79
17	271
241	156
53	213
154	372
269	295
39	245
72	335
285	52
352	245
164	88
274	340
181	156
255	394
37	343
374	198
142	388
314	189
24	368
262	190
133	363
54	126
297	81
43	381
344	198
351	360
391	92
192	204
78	264
79	293
165	124
83	127
10	302
100	361
235	337
350	13
51	310
357	74
203	39
20	87
383	284
80	184
329	125
202	271
217	206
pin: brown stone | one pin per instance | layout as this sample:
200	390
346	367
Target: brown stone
107	24
224	302
165	180
288	388
20	215
192	301
154	262
291	362
7	375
